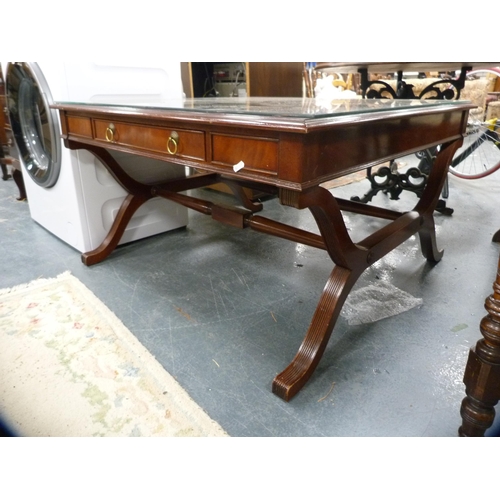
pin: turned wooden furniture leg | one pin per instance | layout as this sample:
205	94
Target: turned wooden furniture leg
3	164
17	175
5	174
482	372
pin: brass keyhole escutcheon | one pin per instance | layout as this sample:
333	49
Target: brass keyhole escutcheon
173	143
110	133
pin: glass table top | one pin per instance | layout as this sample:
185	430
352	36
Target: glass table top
267	106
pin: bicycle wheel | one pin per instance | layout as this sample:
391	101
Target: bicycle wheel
479	155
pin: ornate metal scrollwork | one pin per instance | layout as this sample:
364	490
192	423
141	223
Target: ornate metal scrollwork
379	89
393	182
434	91
406	181
380	93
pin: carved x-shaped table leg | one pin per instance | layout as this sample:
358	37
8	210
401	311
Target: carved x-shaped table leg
352	259
137	195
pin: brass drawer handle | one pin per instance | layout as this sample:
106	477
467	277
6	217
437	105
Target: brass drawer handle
173	143
110	133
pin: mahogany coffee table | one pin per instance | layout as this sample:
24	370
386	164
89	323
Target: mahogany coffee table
286	147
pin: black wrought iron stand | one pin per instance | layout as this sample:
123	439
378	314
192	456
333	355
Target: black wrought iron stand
389	179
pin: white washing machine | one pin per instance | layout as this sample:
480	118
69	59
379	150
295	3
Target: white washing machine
70	193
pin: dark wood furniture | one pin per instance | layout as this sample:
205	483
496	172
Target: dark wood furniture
286	147
482	372
4	161
8	155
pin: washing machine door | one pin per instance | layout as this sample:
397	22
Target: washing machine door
35	126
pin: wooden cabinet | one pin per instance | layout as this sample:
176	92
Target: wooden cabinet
275	79
263	79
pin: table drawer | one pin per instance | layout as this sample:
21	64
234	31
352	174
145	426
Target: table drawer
80	126
189	144
257	153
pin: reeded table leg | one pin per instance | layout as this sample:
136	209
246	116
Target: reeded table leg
482	372
293	378
352	259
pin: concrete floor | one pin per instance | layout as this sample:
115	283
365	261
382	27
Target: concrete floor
225	310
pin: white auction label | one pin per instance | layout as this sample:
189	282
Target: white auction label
238	166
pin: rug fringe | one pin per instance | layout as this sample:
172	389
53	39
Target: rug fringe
36	283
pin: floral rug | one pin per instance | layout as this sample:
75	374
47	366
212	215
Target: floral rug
69	367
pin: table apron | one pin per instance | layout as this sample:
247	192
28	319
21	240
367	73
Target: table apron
289	160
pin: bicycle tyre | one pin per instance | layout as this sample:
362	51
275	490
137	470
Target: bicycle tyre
479	155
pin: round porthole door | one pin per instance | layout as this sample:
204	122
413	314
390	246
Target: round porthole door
34	125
